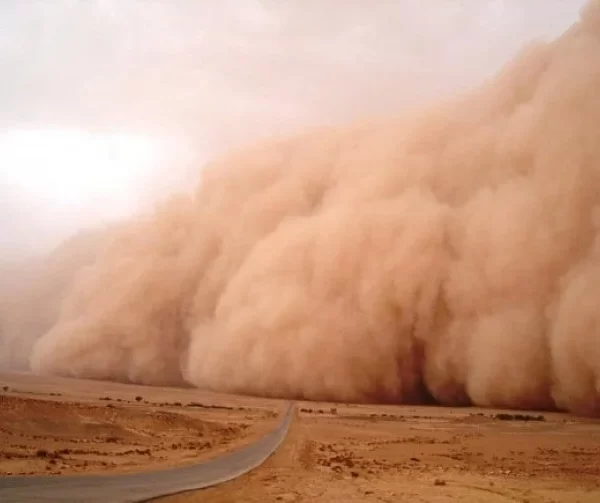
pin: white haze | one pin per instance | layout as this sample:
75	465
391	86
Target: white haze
217	74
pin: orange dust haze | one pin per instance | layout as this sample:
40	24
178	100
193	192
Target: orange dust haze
451	255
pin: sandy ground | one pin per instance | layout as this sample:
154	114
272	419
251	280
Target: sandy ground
333	452
55	426
429	454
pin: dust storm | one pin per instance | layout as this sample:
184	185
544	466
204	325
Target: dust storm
450	255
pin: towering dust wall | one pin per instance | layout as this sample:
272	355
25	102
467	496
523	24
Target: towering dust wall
452	254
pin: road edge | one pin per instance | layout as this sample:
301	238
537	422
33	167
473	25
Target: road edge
148	486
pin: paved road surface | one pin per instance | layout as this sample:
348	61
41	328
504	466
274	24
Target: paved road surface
144	486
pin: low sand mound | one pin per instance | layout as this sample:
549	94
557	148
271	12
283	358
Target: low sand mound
41	436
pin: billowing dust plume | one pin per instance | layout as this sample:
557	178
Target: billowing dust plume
31	293
452	255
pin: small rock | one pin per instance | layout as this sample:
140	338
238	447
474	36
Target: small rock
286	497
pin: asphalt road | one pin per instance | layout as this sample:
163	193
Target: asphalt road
144	486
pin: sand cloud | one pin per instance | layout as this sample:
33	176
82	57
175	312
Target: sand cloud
452	254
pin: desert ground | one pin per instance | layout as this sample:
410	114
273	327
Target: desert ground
56	426
333	452
424	454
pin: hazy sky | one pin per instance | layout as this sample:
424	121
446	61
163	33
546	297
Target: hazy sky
146	77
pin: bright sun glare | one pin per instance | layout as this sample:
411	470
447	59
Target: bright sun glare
76	168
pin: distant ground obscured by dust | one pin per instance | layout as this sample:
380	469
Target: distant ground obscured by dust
64	426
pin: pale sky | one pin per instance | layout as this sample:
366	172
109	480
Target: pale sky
97	97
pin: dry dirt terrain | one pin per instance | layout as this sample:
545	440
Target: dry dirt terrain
333	452
55	426
424	454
